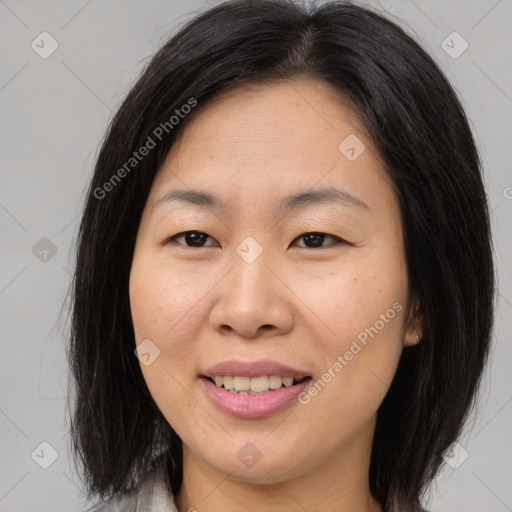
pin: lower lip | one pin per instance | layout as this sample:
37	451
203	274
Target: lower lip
253	406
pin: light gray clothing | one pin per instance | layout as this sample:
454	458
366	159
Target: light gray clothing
151	496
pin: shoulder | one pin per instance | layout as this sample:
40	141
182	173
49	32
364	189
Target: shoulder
152	496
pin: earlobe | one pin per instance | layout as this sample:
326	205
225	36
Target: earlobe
412	340
414	329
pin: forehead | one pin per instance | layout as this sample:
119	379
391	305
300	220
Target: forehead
292	110
272	137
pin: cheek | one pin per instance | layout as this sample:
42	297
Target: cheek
162	301
347	297
165	310
358	309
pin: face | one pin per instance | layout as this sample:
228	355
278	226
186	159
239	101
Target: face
252	284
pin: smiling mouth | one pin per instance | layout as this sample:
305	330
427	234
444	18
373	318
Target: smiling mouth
254	385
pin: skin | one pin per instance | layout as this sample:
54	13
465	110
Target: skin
295	304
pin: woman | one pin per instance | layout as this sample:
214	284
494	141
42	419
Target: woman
284	285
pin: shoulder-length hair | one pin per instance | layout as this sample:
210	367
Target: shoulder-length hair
421	133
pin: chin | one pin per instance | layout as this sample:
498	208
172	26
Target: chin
251	465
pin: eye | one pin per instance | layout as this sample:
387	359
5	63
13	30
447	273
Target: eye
192	238
314	240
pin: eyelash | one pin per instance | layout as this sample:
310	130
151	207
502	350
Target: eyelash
337	240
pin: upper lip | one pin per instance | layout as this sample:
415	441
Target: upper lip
237	367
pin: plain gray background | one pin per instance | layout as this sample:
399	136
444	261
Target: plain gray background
54	112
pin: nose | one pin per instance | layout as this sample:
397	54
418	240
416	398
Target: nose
253	300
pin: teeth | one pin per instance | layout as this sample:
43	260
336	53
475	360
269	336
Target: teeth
228	382
254	385
288	381
242	383
259	384
275	382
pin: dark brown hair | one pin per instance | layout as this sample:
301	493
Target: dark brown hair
419	128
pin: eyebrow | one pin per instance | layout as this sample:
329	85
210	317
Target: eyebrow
328	195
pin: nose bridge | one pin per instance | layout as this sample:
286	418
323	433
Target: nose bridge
251	275
251	296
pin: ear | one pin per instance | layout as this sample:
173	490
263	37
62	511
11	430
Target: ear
414	324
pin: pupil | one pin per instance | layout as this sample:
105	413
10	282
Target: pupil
316	238
195	238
